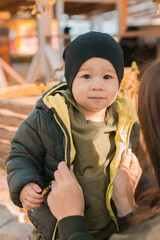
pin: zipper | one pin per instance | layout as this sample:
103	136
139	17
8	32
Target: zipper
67	151
66	135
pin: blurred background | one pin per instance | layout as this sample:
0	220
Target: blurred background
33	35
47	26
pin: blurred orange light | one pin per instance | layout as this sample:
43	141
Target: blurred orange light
5	15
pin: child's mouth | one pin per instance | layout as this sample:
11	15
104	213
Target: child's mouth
96	98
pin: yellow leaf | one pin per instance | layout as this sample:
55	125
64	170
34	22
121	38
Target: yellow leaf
34	10
21	10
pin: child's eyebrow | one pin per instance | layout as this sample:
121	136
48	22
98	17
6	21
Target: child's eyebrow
107	70
110	70
84	69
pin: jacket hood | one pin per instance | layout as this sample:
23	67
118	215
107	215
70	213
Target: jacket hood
53	103
43	103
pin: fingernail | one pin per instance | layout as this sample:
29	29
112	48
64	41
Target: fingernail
39	189
71	167
129	151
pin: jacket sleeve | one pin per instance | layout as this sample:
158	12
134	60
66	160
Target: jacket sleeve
25	160
73	228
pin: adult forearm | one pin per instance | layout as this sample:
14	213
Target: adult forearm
124	207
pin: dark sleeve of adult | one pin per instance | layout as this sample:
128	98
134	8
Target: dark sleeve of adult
25	160
123	222
148	179
73	228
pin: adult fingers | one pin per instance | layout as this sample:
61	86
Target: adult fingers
72	173
57	176
126	159
135	166
53	185
64	171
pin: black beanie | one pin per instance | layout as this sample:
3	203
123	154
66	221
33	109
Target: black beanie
88	45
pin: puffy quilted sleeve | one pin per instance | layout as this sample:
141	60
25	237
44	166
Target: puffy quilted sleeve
25	160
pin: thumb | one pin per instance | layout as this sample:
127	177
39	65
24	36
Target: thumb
36	188
72	173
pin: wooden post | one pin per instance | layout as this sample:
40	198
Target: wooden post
59	13
122	11
41	24
3	81
46	58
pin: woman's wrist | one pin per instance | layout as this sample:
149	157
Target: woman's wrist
124	207
125	211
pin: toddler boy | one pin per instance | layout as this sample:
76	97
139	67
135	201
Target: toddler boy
81	122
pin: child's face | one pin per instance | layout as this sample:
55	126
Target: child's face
95	87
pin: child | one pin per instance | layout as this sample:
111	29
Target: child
145	221
83	122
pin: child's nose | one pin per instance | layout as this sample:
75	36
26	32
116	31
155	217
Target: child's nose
97	84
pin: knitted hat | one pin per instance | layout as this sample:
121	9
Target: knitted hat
88	45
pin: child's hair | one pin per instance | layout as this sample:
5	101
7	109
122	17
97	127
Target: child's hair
88	45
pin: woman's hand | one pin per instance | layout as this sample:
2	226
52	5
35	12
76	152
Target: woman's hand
66	197
125	183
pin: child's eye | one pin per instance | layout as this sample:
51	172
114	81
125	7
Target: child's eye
107	77
86	76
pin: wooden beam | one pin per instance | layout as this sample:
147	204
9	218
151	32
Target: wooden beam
26	90
11	71
12	3
140	33
3	80
93	1
98	11
88	8
13	6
